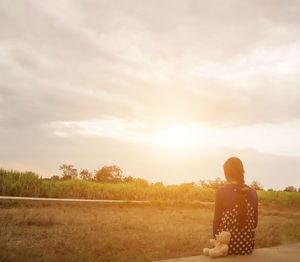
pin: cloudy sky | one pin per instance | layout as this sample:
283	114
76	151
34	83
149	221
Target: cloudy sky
167	90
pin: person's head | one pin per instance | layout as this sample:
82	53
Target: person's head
234	170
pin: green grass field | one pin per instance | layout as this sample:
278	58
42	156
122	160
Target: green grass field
14	183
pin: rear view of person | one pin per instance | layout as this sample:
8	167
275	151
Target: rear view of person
236	209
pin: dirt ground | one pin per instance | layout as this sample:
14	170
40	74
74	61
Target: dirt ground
123	232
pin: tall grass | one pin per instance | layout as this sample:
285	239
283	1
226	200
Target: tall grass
27	184
15	183
274	197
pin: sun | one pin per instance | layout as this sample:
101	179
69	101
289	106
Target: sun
172	137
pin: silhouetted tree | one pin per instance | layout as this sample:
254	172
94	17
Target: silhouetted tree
128	179
217	183
290	189
86	175
203	183
68	172
256	185
55	178
109	174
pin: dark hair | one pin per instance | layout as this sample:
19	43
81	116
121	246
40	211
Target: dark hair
234	171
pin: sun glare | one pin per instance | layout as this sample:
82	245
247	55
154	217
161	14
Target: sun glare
174	137
171	137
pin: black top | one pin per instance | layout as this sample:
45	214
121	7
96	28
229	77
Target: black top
226	217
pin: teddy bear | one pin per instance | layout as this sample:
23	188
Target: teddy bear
220	245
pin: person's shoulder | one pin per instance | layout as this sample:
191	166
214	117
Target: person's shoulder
224	188
251	190
230	187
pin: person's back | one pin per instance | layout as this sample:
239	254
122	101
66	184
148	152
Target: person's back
236	209
240	219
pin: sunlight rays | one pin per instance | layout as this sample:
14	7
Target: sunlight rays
180	136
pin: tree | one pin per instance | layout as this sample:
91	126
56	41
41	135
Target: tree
203	183
256	185
217	183
55	178
128	179
68	172
109	174
290	189
86	175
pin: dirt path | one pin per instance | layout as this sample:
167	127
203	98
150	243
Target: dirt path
286	253
70	199
83	200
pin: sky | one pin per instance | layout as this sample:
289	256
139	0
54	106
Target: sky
167	90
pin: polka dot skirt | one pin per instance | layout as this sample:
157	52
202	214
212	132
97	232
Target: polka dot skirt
242	240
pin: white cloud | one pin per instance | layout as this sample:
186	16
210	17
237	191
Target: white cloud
276	139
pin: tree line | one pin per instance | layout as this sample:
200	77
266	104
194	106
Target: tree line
114	174
107	174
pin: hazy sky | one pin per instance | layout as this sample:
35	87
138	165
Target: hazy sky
167	90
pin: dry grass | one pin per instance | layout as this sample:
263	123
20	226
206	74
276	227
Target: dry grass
123	232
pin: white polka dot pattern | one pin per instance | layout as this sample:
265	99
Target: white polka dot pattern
242	240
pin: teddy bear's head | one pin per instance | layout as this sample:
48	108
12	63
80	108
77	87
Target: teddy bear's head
224	237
